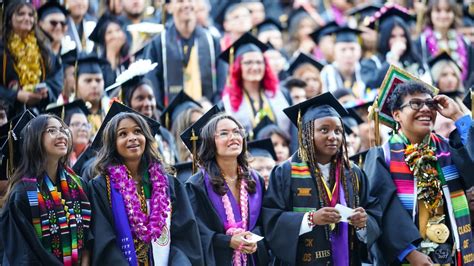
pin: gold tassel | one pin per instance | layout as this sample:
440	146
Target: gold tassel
231	64
301	150
194	140
63	113
376	122
167	121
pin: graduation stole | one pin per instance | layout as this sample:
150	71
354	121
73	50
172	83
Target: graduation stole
265	109
452	188
61	218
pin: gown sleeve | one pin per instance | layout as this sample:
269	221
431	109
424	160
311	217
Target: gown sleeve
392	241
463	154
105	250
280	223
185	239
17	234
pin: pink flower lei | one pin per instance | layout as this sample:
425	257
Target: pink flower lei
233	228
456	48
145	228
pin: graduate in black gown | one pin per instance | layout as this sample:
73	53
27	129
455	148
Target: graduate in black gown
142	214
301	223
46	215
420	179
226	194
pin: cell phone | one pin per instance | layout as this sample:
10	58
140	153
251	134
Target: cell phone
40	86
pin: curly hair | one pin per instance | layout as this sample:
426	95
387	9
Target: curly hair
236	90
404	89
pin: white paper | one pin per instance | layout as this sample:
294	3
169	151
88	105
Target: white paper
345	212
252	238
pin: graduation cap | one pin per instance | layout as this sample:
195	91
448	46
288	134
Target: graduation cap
359	107
325	30
468	101
191	136
359	158
302	59
246	43
268	24
89	64
179	104
442	56
468	15
346	34
264	122
51	7
10	149
324	105
353	119
387	12
98	34
262	148
66	111
363	11
69	58
114	110
183	171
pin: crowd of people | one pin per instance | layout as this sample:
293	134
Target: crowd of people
236	132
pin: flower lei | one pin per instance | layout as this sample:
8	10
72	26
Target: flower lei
28	61
233	228
145	228
456	47
421	159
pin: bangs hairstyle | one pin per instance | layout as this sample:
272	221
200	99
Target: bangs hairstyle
208	151
108	154
438	68
453	6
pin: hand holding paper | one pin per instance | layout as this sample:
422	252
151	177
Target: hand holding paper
252	238
345	212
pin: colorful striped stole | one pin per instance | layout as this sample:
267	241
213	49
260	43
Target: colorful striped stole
453	190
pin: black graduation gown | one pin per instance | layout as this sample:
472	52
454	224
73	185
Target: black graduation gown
17	234
282	224
398	230
185	244
214	241
171	84
9	86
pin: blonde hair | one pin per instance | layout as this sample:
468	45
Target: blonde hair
437	71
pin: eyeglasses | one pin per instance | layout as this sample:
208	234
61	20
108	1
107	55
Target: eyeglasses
54	23
54	131
418	104
252	62
236	133
86	126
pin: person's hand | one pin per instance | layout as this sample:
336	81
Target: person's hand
326	215
237	242
417	258
449	108
359	219
29	98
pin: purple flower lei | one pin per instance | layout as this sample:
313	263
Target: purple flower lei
145	228
433	49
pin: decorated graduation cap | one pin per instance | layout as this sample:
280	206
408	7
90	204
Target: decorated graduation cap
98	34
363	11
380	111
268	24
303	59
10	134
183	171
325	30
179	104
440	57
246	43
66	111
51	7
262	148
191	136
387	12
324	105
89	64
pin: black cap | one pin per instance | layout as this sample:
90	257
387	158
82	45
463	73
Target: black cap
17	123
320	106
192	134
69	58
468	99
179	104
133	76
246	43
98	34
353	119
269	24
262	148
183	171
346	34
443	56
264	122
387	12
89	64
51	7
302	59
114	110
65	111
325	30
359	158
363	11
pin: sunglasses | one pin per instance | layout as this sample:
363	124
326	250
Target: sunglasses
418	104
55	23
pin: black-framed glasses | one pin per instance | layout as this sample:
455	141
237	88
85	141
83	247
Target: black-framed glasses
418	104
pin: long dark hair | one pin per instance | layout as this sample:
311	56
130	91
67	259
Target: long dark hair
385	29
208	151
34	157
41	38
108	154
432	4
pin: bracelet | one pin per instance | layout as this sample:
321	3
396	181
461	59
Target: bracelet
311	221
